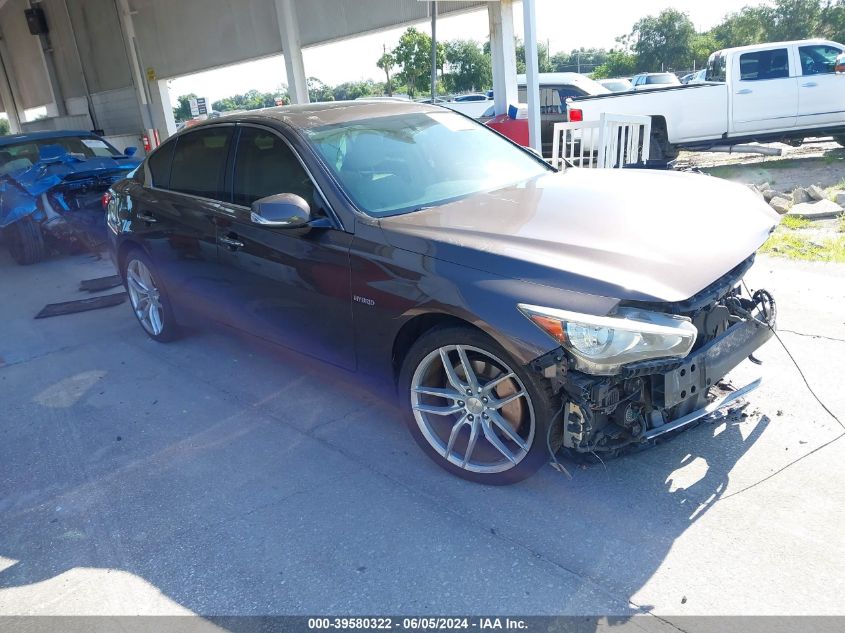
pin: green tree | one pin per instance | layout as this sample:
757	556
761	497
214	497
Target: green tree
352	90
413	56
794	20
746	26
583	60
663	42
544	64
833	21
4	127
387	62
318	91
467	67
182	112
618	64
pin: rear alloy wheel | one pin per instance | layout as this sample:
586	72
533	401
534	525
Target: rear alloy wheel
473	410
26	241
148	299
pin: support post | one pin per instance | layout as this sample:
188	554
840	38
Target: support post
503	54
433	50
292	51
127	28
532	76
9	91
50	69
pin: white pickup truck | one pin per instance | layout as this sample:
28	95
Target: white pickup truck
780	91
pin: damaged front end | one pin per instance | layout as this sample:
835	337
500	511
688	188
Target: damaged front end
57	203
686	348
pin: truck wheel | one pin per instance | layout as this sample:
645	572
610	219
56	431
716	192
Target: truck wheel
26	242
659	147
840	138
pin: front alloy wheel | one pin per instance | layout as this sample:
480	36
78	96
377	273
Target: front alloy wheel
476	414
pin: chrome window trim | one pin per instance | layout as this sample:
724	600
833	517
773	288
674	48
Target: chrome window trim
333	216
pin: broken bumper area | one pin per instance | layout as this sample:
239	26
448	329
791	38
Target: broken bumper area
604	414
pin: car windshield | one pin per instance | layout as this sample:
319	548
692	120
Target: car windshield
405	162
85	146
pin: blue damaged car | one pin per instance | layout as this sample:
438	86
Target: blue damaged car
51	191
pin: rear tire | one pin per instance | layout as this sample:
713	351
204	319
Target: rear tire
659	147
26	241
511	440
148	297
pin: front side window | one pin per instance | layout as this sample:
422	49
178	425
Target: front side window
819	59
199	162
762	65
404	162
264	166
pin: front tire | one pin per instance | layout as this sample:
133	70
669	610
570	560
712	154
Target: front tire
473	409
148	297
26	242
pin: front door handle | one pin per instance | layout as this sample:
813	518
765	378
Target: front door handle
744	91
231	242
144	217
809	84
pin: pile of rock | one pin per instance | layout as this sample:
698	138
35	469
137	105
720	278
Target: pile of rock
805	202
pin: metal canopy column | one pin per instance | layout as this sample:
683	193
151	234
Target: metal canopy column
292	51
503	54
532	79
9	92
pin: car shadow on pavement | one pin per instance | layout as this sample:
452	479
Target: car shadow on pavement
237	479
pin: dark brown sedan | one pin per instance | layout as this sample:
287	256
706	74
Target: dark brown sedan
516	311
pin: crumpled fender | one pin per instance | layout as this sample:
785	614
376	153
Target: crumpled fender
15	203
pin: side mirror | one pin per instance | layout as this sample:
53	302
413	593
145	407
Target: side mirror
839	64
130	151
282	210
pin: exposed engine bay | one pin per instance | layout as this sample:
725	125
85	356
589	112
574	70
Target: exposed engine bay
603	414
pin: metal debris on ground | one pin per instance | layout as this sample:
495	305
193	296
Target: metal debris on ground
100	283
81	305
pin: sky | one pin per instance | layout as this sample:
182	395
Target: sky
565	24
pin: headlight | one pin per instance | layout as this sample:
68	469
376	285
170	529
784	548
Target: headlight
602	344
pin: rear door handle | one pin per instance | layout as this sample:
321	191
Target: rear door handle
809	84
231	242
144	217
744	91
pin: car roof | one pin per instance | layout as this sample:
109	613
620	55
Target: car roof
40	136
572	79
314	115
757	47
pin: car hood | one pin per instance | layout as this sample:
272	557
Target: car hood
628	234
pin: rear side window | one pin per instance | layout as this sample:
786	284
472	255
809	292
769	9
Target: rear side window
199	162
264	166
159	165
716	68
761	65
819	59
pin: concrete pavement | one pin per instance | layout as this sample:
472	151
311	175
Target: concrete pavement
215	476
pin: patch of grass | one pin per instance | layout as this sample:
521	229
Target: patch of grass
794	222
796	246
841	224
